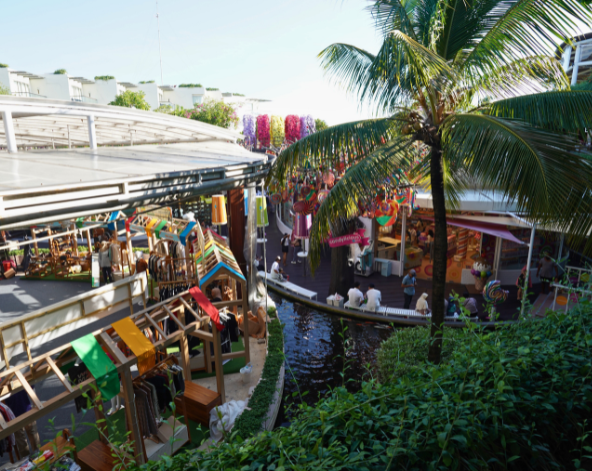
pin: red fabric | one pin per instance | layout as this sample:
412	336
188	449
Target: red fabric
207	306
217	235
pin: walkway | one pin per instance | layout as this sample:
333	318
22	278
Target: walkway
390	287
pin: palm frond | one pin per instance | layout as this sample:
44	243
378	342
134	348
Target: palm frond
567	111
394	15
522	28
536	169
463	22
402	68
523	76
359	184
348	63
347	142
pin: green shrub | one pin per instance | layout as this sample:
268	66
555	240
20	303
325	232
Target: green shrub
3	66
515	398
60	72
320	124
407	348
214	112
212	89
191	85
250	421
146	81
104	77
130	98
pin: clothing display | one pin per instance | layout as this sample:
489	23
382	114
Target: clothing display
78	374
154	392
65	463
9	442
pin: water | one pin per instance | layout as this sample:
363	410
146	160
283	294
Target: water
315	350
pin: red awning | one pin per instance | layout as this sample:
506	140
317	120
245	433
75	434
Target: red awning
207	306
497	230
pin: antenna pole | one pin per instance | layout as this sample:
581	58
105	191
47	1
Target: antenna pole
159	49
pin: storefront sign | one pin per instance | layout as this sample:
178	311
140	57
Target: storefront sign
95	271
355	238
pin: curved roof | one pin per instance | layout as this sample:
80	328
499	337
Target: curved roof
47	123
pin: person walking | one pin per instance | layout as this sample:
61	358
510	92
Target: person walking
295	250
105	262
408	286
545	272
285	248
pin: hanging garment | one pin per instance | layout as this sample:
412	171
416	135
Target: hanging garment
77	375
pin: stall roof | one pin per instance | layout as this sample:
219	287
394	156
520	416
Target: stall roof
497	230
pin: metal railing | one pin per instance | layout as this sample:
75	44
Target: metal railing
84	99
28	94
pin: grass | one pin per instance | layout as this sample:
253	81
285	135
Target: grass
233	366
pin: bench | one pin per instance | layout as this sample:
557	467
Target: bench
289	286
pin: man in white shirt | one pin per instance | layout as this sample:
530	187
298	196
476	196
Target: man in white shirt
275	269
355	295
374	297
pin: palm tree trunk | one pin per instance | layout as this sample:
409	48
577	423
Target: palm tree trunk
440	248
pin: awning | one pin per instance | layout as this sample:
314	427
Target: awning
497	230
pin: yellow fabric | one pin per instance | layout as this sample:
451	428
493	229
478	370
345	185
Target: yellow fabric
149	226
137	343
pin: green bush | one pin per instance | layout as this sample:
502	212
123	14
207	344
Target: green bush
212	89
146	81
60	72
214	112
250	421
130	98
408	348
3	66
104	77
515	398
191	85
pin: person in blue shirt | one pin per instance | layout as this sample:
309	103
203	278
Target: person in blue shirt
408	286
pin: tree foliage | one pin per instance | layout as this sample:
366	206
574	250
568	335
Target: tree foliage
60	72
130	99
4	90
470	86
214	112
320	124
190	85
104	77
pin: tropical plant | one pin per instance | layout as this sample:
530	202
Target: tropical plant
60	72
3	66
104	77
320	124
210	89
191	85
131	99
277	131
214	112
471	85
4	90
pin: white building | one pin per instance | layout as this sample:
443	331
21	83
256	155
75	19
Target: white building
577	60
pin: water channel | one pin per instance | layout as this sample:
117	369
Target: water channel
314	348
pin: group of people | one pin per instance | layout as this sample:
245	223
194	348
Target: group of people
370	301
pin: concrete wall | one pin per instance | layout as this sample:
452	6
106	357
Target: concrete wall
52	86
185	96
153	94
104	91
16	84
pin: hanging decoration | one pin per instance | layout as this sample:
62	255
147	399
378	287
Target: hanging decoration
355	238
249	130
263	130
386	214
292	128
277	131
322	196
275	198
303	127
493	292
310	123
328	177
304	207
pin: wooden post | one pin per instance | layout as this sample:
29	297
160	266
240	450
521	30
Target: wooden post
130	412
236	227
100	416
128	238
246	339
218	365
184	348
35	246
88	241
207	355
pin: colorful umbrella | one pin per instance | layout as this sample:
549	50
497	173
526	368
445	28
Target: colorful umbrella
386	215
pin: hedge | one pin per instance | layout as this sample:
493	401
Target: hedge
515	398
250	421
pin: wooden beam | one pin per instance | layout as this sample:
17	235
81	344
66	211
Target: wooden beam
190	309
151	321
59	374
218	365
130	412
113	348
29	390
174	318
203	335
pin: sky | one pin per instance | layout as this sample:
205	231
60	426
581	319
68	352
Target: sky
263	48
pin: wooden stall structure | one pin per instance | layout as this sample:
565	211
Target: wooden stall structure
217	266
190	319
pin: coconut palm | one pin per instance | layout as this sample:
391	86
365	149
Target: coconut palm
474	87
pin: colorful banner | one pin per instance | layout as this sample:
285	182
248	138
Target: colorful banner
137	343
355	238
99	365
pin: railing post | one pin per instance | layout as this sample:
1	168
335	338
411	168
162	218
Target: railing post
9	132
92	133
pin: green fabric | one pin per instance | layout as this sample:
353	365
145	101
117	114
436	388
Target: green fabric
99	365
158	228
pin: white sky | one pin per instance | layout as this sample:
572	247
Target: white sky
264	49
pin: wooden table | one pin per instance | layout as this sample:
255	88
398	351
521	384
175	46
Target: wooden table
96	457
197	402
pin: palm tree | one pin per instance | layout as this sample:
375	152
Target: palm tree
474	84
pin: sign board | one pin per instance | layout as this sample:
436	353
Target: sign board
355	238
165	213
95	271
